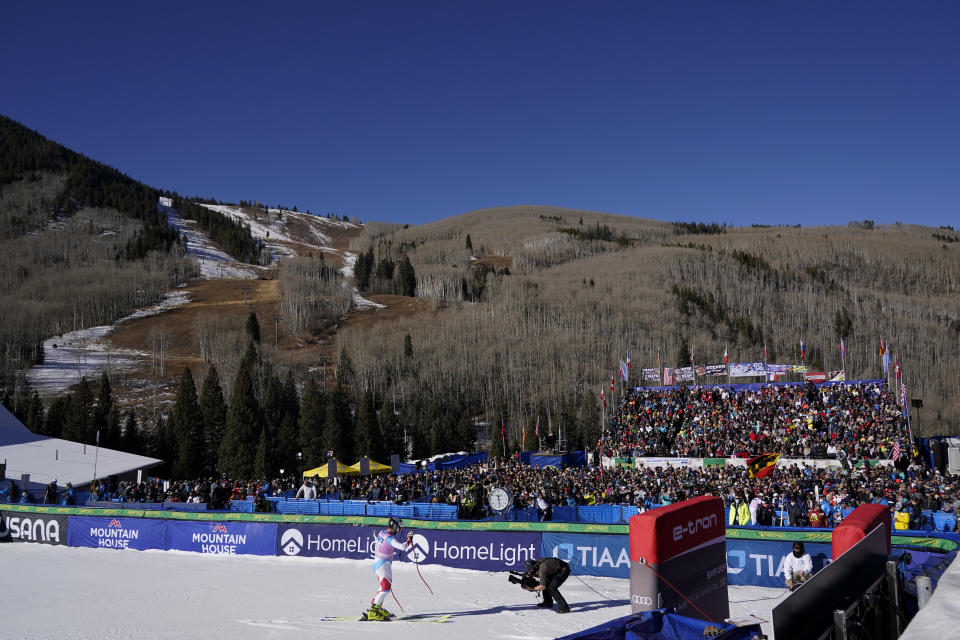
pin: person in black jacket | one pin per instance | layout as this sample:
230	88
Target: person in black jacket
549	573
50	493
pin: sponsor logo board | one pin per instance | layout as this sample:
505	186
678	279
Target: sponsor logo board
230	538
482	550
117	533
592	555
19	526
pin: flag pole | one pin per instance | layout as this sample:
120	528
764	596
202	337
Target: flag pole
96	455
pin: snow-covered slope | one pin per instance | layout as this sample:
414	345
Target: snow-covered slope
153	595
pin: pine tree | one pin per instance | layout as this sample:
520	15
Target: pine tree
132	440
588	417
288	434
338	430
35	420
408	277
56	418
469	243
392	433
78	420
110	436
407	346
313	416
213	412
253	327
261	460
683	354
368	429
163	446
186	422
243	420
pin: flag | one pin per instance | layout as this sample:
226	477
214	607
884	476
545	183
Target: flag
524	439
602	399
98	437
803	351
896	450
883	350
623	371
725	358
628	359
611	384
762	465
843	350
897	368
537	430
903	398
691	356
503	433
658	360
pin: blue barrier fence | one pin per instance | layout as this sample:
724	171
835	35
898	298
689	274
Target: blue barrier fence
585	514
749	561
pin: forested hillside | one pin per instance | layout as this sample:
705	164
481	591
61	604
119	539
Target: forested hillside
81	244
482	324
542	337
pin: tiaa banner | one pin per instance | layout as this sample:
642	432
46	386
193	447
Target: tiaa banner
760	563
590	555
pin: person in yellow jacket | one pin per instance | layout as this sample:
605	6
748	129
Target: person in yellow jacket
740	512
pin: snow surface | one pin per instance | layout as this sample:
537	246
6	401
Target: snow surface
72	355
79	594
214	263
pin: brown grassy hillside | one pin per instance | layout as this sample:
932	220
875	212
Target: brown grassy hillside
572	307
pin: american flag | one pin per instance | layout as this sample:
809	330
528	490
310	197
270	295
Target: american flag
903	397
803	351
896	450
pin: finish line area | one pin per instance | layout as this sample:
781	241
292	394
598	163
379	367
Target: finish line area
84	593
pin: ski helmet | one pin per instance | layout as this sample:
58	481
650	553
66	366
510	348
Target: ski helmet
395	525
798	549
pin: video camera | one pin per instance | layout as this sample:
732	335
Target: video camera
522	579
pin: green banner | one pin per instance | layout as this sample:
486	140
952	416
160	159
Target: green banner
714	462
824	536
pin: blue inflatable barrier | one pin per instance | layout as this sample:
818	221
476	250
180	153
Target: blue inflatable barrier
664	624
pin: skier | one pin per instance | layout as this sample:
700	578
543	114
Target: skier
387	546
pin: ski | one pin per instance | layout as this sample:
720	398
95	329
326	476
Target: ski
410	618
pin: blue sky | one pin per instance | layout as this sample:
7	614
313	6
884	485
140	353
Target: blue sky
739	112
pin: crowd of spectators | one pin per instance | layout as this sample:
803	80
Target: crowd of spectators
854	421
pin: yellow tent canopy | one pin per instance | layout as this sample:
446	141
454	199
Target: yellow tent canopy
342	470
375	467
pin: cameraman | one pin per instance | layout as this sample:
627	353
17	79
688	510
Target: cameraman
546	575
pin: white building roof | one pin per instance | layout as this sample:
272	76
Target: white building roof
47	459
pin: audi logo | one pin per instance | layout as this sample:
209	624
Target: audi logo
642	600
